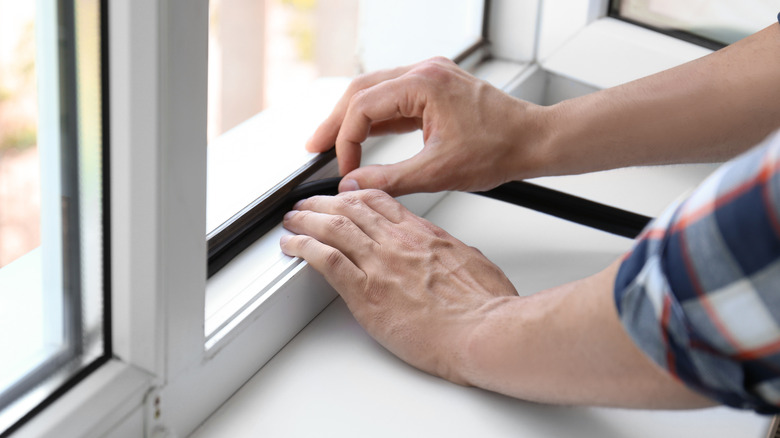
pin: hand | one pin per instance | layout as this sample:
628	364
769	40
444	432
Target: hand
415	289
441	306
476	137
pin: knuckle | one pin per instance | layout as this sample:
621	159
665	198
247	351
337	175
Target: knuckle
441	60
476	250
434	70
339	223
307	203
370	196
303	242
437	232
348	200
440	244
333	258
298	245
301	216
375	194
360	82
373	291
358	99
434	238
386	179
440	233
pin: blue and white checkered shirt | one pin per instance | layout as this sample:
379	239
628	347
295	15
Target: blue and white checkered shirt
700	291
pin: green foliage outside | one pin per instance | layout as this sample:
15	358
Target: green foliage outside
19	134
18	139
5	94
26	52
302	33
302	28
301	5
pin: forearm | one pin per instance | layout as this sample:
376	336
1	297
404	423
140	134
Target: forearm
709	109
567	346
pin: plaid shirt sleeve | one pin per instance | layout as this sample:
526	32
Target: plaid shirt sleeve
700	291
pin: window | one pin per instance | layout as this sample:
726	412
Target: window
52	247
178	353
712	23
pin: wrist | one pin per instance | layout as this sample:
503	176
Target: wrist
569	140
534	143
476	351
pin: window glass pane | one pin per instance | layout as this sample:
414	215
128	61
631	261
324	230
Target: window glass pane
19	170
406	31
723	21
20	196
273	66
51	207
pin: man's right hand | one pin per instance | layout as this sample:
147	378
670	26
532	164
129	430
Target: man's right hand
476	136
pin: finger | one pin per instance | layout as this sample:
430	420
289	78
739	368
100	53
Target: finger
385	205
325	135
351	205
413	175
376	200
337	269
398	125
336	231
396	98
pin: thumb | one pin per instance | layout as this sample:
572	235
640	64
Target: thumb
396	179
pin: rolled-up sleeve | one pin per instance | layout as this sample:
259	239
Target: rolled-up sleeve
700	291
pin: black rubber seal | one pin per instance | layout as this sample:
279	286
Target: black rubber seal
571	208
265	220
562	205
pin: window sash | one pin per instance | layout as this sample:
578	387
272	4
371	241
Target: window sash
716	40
614	12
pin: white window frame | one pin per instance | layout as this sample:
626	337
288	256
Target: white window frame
162	381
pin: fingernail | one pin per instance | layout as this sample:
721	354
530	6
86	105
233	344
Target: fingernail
285	239
290	214
298	204
348	185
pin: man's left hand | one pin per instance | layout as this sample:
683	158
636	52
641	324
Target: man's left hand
417	290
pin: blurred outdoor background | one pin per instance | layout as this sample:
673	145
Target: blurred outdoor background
19	167
262	51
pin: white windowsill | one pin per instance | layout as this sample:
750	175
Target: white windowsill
610	52
339	382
